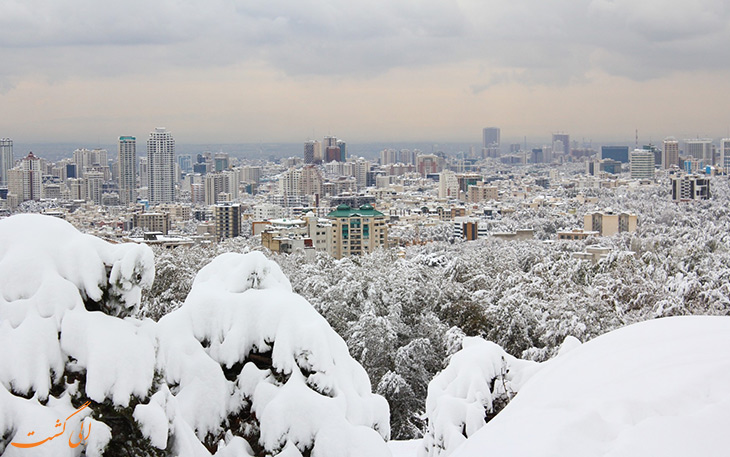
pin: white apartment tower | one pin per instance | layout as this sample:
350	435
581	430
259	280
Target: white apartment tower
671	152
6	159
448	185
725	154
127	169
161	166
642	164
290	182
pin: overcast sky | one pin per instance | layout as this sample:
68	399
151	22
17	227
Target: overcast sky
230	71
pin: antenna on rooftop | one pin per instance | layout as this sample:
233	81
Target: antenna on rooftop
637	138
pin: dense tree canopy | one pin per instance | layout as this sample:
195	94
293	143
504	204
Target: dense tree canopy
399	310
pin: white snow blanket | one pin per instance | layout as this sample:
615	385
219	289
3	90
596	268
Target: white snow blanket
244	353
660	387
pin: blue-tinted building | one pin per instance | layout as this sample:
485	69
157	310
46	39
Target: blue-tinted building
618	153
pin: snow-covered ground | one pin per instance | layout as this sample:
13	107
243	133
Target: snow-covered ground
408	448
657	388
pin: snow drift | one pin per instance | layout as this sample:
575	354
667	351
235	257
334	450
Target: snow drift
655	388
244	367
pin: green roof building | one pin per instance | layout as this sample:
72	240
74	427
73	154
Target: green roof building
357	231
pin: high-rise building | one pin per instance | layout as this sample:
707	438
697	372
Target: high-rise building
227	220
221	186
24	181
6	159
670	156
94	186
448	185
311	181
333	154
312	152
388	156
427	164
699	149
161	166
537	155
329	142
290	182
407	156
561	144
185	162
490	137
657	154
343	150
127	169
690	187
92	160
725	155
221	161
360	170
357	231
618	153
251	175
642	164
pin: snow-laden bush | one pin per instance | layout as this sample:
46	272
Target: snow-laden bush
479	381
244	367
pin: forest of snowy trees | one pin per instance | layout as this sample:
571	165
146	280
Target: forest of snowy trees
404	312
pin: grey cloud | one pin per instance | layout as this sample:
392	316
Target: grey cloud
554	42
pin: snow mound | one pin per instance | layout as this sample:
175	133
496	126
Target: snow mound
51	277
479	380
244	367
245	353
655	388
47	266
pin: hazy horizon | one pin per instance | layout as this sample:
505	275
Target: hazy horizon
56	151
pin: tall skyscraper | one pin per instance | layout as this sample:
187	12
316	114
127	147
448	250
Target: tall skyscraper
343	150
561	143
92	160
329	142
161	166
490	136
312	152
6	159
334	149
127	169
671	152
725	154
25	180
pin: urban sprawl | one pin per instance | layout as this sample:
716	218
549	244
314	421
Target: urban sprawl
327	200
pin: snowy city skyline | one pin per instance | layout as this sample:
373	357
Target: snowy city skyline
395	228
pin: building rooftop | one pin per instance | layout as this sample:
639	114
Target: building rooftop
365	210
